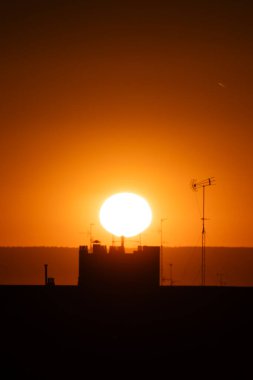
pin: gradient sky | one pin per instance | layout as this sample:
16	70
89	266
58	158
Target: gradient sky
105	96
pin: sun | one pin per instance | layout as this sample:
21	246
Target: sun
125	214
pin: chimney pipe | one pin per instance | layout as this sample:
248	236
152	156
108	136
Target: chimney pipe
46	280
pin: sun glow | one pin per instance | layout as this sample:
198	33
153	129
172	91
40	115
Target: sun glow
125	214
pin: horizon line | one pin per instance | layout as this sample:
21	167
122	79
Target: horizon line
152	245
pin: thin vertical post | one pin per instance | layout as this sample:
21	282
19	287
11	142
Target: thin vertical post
171	279
161	252
203	264
46	278
91	237
195	186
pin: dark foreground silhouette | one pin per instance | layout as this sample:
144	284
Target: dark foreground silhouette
66	328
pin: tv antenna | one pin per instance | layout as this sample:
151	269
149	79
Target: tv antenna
195	186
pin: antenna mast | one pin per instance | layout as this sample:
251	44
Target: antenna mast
195	186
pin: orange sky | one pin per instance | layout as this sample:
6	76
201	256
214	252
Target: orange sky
125	96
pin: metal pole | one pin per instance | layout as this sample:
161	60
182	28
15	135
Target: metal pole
91	237
46	280
171	280
161	251
203	266
161	254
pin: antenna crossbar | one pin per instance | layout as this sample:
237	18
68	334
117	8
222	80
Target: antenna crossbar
206	182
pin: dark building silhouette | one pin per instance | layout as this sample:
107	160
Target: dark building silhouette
102	270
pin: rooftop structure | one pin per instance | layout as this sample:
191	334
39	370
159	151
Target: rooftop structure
114	269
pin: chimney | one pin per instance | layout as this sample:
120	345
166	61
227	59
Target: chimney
46	280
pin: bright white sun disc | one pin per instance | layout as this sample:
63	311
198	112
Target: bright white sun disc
125	214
